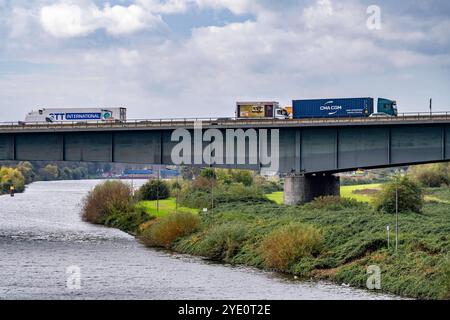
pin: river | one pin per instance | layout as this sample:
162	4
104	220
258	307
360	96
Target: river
42	237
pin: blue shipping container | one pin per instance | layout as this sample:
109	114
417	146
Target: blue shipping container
332	108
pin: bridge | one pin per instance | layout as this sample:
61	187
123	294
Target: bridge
307	151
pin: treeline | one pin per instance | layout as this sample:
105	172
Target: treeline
208	186
25	172
431	175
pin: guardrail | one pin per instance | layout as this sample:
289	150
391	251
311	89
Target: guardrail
188	122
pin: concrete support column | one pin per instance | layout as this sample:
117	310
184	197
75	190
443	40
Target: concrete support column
299	188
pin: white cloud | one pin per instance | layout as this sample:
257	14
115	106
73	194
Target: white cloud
290	52
66	19
166	7
235	6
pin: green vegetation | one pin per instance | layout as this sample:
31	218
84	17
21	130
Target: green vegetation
166	230
10	177
166	206
353	238
431	175
154	189
107	201
402	192
331	238
289	244
363	193
277	197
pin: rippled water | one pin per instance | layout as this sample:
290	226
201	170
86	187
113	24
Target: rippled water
41	234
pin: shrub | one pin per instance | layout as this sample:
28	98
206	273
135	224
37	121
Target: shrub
127	221
431	175
334	203
107	198
267	186
49	172
192	198
208	173
153	190
166	230
243	176
11	177
410	197
223	241
446	294
238	193
290	243
202	184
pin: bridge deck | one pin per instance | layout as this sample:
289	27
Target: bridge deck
158	124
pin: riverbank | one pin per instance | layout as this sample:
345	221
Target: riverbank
343	240
43	235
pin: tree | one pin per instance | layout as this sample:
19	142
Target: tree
409	192
11	177
27	170
431	175
208	173
243	176
66	174
189	173
49	172
154	189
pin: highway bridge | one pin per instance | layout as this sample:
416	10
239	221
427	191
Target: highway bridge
308	151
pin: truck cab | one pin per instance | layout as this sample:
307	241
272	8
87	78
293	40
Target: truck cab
387	106
260	110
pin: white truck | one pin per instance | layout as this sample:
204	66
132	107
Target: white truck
70	115
260	110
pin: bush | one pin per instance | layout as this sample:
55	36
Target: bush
446	294
431	175
238	193
334	203
153	190
267	186
11	177
410	197
223	241
110	197
166	230
127	221
243	176
193	197
288	244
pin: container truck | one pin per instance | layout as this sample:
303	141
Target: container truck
342	107
260	110
61	115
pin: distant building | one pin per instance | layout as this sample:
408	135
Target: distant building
137	174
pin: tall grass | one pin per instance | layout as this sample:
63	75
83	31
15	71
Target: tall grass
335	203
166	230
223	241
288	244
110	197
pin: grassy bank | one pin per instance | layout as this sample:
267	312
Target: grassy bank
332	240
166	206
353	239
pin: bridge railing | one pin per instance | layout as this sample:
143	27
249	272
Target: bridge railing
231	121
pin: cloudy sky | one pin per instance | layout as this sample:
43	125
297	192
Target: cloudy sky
195	58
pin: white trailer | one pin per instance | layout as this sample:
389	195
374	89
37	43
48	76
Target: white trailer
61	115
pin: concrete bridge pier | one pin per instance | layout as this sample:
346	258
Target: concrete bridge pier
301	188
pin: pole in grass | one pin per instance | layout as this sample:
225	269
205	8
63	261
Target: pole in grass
388	236
178	190
396	216
157	191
